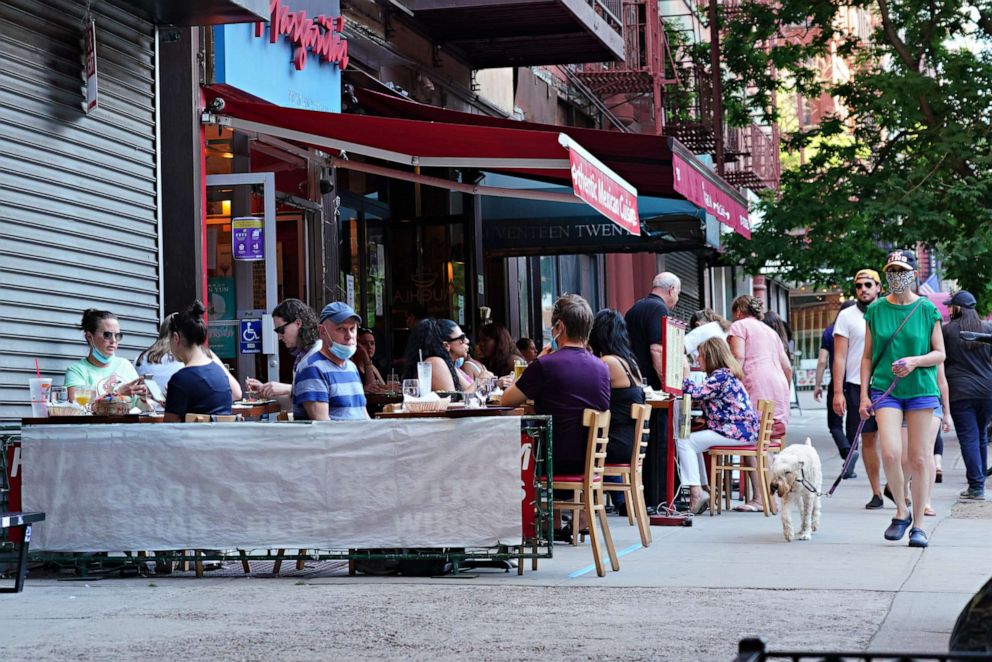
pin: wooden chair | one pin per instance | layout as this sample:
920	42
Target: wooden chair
285	416
587	489
631	474
213	418
722	463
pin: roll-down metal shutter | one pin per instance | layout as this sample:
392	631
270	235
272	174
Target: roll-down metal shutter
78	193
685	265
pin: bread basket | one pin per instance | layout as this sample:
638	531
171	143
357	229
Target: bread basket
111	407
426	406
66	409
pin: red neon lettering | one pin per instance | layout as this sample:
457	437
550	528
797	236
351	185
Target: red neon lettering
305	34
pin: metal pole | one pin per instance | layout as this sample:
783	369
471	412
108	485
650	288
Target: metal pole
717	86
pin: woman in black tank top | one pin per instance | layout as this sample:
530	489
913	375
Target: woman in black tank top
610	342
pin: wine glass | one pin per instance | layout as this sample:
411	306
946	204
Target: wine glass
411	388
83	396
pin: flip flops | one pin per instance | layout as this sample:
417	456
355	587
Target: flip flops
701	507
748	508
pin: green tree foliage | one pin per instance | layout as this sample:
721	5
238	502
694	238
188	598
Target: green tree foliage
911	161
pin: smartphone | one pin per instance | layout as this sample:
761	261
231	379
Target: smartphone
154	390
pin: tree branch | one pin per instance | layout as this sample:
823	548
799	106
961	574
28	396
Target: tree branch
985	22
929	116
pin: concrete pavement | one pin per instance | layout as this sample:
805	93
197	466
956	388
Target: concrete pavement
690	596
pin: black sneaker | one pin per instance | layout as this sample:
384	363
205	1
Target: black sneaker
875	503
972	494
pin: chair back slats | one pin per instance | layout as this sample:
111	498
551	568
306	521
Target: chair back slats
641	414
213	418
598	423
766	412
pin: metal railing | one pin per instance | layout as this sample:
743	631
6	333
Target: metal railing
753	650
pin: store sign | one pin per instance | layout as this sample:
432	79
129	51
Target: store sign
248	238
320	36
602	189
250	337
294	61
89	60
698	189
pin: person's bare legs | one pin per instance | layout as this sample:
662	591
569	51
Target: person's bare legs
921	442
872	460
890	445
756	497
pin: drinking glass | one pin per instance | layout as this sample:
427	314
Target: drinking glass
60	395
519	365
83	396
472	399
411	387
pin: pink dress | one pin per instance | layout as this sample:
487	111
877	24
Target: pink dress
764	378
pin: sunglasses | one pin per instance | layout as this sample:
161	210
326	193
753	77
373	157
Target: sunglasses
864	286
107	335
282	328
462	337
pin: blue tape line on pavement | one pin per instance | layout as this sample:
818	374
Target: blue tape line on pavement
590	568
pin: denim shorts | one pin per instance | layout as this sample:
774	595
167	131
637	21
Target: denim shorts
905	404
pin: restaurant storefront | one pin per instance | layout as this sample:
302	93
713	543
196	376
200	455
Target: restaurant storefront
80	208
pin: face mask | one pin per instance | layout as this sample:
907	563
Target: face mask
343	352
459	362
554	341
900	281
101	357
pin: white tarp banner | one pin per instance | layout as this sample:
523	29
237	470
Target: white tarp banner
335	485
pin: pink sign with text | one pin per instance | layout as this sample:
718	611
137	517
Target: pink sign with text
603	190
698	190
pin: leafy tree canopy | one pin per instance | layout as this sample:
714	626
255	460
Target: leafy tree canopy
911	160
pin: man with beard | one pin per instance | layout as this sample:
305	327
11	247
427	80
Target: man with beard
849	346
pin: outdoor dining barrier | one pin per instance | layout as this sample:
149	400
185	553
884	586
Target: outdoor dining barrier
455	489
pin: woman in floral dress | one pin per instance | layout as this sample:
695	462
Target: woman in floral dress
730	418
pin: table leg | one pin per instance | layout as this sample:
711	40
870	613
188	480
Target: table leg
22	562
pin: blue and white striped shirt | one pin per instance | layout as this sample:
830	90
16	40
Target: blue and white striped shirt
318	379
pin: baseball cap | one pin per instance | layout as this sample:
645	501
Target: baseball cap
964	299
868	273
338	312
904	260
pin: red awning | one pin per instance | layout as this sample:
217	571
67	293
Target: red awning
448	139
656	165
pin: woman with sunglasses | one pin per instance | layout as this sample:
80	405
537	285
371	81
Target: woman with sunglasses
432	341
102	370
295	325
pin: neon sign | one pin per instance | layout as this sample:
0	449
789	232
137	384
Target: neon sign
320	36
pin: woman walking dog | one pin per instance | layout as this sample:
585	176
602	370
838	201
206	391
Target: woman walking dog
903	346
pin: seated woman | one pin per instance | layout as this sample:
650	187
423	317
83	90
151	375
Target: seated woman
497	350
372	380
158	364
427	343
102	370
730	418
610	342
201	387
458	346
295	323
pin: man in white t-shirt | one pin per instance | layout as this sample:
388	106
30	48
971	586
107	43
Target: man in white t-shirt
849	346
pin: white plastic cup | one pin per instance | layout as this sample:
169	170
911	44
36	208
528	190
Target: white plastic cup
424	377
40	389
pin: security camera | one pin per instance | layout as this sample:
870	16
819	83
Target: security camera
216	106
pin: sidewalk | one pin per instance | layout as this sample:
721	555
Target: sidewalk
690	596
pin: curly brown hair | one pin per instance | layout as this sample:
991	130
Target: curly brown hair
748	305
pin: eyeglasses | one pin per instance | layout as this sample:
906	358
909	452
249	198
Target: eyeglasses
282	328
864	286
107	335
462	338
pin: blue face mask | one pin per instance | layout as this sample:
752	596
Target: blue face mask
343	352
460	361
101	358
554	341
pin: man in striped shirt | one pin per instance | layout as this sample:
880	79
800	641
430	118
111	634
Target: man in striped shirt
328	386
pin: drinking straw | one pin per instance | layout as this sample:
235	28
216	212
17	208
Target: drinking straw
37	368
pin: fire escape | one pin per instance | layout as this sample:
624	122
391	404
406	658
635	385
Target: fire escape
670	94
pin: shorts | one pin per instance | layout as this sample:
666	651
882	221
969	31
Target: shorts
852	397
905	404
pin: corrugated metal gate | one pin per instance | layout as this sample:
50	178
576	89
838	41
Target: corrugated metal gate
78	193
685	265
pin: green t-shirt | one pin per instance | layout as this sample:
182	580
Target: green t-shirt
84	373
883	318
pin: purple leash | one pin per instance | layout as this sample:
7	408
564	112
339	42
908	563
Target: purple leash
851	454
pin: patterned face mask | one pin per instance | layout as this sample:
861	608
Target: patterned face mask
900	281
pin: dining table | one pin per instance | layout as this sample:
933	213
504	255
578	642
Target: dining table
457	412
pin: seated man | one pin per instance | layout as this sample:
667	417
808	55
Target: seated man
563	381
328	386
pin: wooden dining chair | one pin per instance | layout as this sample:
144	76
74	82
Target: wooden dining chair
722	463
587	489
631	474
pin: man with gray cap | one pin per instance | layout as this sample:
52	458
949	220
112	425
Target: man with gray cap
328	385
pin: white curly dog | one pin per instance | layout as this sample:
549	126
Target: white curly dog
797	477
